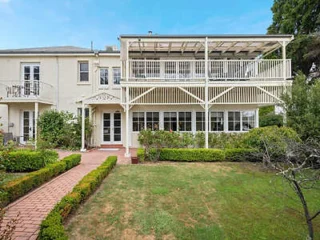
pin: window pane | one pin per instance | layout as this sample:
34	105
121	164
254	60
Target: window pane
116	75
234	121
104	76
217	121
200	121
84	67
84	77
185	121
152	121
248	120
137	121
170	121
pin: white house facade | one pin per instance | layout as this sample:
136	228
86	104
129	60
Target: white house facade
185	83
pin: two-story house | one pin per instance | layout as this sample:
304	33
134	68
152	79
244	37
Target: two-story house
185	83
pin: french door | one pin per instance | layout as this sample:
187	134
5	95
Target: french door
28	126
111	128
31	78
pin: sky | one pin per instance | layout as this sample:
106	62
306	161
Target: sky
39	23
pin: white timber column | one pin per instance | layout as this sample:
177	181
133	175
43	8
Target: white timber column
83	127
284	69
36	113
127	153
257	118
206	95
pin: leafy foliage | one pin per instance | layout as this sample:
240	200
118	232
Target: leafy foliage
27	160
61	129
302	107
301	18
18	187
52	226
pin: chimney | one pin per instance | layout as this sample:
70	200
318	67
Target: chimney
111	48
149	32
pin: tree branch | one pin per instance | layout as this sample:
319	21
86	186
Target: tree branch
314	216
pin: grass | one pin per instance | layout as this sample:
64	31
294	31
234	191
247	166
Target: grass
192	201
6	177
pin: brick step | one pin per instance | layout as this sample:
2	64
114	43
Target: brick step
111	146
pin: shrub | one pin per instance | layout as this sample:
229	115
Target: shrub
16	188
258	137
27	160
200	140
271	120
225	140
52	227
241	155
141	154
190	155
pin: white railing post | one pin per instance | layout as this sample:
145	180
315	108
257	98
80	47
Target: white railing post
83	127
206	96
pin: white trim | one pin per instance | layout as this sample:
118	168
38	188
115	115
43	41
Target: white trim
111	128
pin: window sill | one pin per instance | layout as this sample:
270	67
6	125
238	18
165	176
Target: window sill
83	83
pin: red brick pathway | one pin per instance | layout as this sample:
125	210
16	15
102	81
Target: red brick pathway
36	205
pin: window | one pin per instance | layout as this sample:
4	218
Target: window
137	121
170	121
184	69
200	121
217	121
116	75
184	121
234	121
170	69
248	120
153	121
86	112
138	68
84	71
152	68
104	76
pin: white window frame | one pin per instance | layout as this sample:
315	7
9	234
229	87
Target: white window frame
113	78
144	121
185	122
203	121
223	121
152	121
108	80
79	72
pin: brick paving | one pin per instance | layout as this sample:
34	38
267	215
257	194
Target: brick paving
35	206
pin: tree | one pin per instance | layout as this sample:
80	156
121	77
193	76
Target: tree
302	19
302	107
300	167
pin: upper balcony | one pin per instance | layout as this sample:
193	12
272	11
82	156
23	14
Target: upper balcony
201	58
218	70
26	91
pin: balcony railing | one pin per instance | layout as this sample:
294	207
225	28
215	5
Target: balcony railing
19	90
218	70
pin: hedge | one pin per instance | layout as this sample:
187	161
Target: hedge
27	160
16	188
52	226
203	155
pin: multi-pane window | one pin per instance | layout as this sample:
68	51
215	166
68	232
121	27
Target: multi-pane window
152	68
234	121
138	68
184	69
86	112
185	121
84	71
137	121
248	120
170	69
200	121
116	75
152	121
217	121
200	68
104	76
170	121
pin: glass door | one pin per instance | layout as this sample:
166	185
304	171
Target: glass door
31	79
111	129
28	123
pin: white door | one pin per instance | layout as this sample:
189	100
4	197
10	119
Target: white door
28	129
31	78
111	128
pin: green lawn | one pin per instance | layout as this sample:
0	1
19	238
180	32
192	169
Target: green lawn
192	201
6	177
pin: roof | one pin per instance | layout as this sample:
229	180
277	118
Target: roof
206	35
54	50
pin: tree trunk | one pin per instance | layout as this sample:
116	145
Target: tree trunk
305	207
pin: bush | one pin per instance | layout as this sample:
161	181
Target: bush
258	137
225	140
18	187
27	160
52	227
62	129
190	155
271	120
241	155
141	154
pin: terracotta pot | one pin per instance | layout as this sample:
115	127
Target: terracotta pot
134	160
